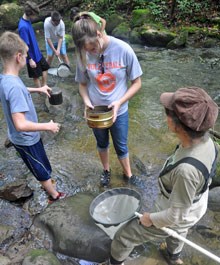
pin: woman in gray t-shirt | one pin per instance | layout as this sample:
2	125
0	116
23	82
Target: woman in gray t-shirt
109	74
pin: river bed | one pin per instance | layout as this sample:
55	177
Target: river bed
149	140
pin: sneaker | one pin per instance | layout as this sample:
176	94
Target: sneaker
171	259
61	195
105	178
134	180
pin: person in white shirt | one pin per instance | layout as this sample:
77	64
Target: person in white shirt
54	31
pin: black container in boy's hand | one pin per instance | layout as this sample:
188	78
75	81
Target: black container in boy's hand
56	97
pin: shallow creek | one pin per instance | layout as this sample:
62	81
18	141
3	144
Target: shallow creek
149	140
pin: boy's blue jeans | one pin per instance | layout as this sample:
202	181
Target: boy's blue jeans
119	134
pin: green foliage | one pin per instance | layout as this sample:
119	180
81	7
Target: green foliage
158	9
184	11
178	12
186	7
106	8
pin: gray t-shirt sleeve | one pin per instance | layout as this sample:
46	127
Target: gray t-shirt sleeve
17	100
120	66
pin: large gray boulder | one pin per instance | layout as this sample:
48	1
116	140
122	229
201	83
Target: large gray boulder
156	37
9	15
213	202
72	230
14	223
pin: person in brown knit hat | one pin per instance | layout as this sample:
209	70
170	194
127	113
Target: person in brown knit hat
184	180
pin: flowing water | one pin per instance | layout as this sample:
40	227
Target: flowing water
149	140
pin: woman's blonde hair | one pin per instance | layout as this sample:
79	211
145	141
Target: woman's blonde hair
10	44
84	30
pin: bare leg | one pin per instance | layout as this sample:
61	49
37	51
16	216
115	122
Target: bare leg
37	82
125	163
65	58
104	156
49	59
48	186
44	78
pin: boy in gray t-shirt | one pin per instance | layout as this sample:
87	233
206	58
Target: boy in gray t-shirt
20	113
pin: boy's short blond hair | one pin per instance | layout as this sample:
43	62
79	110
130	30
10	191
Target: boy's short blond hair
11	44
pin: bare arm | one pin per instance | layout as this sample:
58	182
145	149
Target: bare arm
132	90
60	40
44	89
84	94
51	44
21	124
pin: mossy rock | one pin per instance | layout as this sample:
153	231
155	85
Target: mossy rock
213	32
192	29
156	36
122	31
209	43
140	17
10	15
135	37
113	21
178	42
40	256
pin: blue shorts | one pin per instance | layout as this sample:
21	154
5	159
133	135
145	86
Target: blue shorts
119	134
62	49
36	160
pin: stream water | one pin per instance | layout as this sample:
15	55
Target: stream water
149	140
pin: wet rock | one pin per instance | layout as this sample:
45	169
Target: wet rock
14	222
178	42
15	190
6	232
40	256
72	230
213	202
4	260
156	37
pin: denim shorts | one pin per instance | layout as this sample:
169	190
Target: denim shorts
119	134
62	49
36	160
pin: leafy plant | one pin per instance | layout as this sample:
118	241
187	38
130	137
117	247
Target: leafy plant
158	9
106	8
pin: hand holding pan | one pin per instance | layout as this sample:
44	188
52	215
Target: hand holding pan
174	234
63	69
